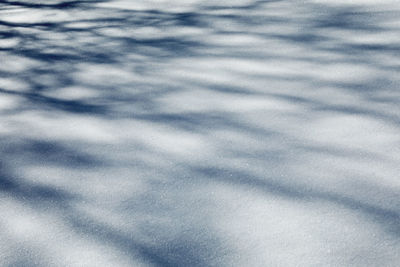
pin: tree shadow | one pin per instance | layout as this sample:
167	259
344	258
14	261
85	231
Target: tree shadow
115	64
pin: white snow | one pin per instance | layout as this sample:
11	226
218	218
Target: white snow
199	133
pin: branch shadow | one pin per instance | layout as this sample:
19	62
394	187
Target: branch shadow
114	54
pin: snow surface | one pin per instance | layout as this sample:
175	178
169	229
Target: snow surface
199	133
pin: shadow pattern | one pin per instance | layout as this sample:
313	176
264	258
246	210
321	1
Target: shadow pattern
126	124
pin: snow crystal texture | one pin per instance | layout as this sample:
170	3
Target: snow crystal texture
199	133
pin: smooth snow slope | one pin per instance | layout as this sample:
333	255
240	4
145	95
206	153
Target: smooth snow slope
199	133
